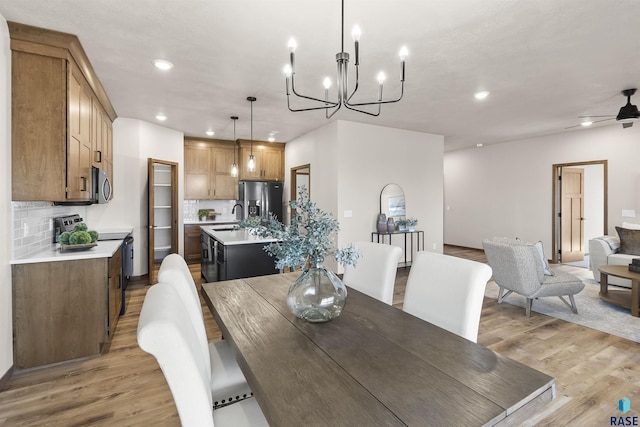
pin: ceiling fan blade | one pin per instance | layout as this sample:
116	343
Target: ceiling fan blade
588	117
595	121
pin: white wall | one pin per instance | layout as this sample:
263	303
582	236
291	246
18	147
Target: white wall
506	189
134	141
352	162
593	202
6	322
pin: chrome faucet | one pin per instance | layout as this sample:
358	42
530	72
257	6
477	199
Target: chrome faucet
233	209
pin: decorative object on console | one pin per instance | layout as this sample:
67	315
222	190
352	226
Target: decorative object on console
381	225
342	58
411	223
317	295
402	224
391	226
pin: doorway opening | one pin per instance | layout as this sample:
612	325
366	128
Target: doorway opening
579	209
300	177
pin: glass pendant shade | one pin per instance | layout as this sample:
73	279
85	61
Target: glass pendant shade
252	163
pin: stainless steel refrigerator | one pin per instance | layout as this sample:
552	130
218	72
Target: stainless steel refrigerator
260	198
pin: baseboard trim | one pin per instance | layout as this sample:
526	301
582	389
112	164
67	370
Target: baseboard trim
7	376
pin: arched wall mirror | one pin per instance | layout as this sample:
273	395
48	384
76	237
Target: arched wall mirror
392	201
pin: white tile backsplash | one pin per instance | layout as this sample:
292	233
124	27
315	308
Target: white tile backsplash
33	225
222	207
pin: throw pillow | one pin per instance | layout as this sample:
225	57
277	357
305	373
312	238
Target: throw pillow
629	241
630	226
545	263
613	243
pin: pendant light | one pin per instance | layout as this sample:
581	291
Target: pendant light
252	160
234	166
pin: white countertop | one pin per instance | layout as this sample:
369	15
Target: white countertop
104	249
210	221
235	237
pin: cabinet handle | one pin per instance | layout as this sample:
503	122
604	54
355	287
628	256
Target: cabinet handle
99	156
84	183
119	281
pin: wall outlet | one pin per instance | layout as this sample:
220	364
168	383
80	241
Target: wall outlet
628	213
434	246
348	213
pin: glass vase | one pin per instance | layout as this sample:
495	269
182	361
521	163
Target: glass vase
317	295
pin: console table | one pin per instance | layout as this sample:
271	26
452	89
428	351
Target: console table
419	235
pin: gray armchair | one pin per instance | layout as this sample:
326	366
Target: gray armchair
518	267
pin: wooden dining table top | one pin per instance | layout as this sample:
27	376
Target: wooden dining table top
374	365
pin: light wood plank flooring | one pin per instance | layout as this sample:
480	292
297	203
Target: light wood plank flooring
125	387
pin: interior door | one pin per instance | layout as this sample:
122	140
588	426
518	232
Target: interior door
163	213
572	214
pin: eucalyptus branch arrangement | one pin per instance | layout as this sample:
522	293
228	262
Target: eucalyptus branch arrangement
309	237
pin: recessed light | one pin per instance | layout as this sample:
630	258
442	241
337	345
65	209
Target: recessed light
481	95
161	117
479	145
586	123
210	133
271	139
162	64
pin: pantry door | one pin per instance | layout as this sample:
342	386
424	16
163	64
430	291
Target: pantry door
163	213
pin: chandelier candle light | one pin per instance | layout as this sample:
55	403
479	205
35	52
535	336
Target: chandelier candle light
344	98
234	166
252	160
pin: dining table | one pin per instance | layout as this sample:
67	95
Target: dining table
374	365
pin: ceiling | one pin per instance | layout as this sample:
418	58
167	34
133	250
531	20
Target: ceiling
544	62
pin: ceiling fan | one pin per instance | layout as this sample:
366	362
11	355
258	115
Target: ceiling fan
627	114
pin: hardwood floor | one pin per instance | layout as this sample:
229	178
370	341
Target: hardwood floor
125	387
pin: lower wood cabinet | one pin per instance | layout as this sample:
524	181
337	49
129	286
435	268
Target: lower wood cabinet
192	247
64	310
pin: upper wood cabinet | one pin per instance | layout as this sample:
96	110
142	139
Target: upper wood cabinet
269	159
57	103
207	169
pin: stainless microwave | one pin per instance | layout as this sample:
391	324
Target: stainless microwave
101	186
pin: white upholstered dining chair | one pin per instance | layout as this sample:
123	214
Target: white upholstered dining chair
447	291
228	384
375	272
165	330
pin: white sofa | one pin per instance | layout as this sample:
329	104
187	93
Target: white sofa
604	251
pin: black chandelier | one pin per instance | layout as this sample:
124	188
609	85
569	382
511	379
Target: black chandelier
344	98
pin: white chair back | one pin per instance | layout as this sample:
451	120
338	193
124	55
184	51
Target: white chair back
166	331
447	291
375	273
174	271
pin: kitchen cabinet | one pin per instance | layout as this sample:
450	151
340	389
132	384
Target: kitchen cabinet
64	310
192	244
269	159
55	96
207	170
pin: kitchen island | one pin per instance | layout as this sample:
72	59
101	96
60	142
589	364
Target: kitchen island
234	254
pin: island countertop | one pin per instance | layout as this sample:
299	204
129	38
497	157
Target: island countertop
235	237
